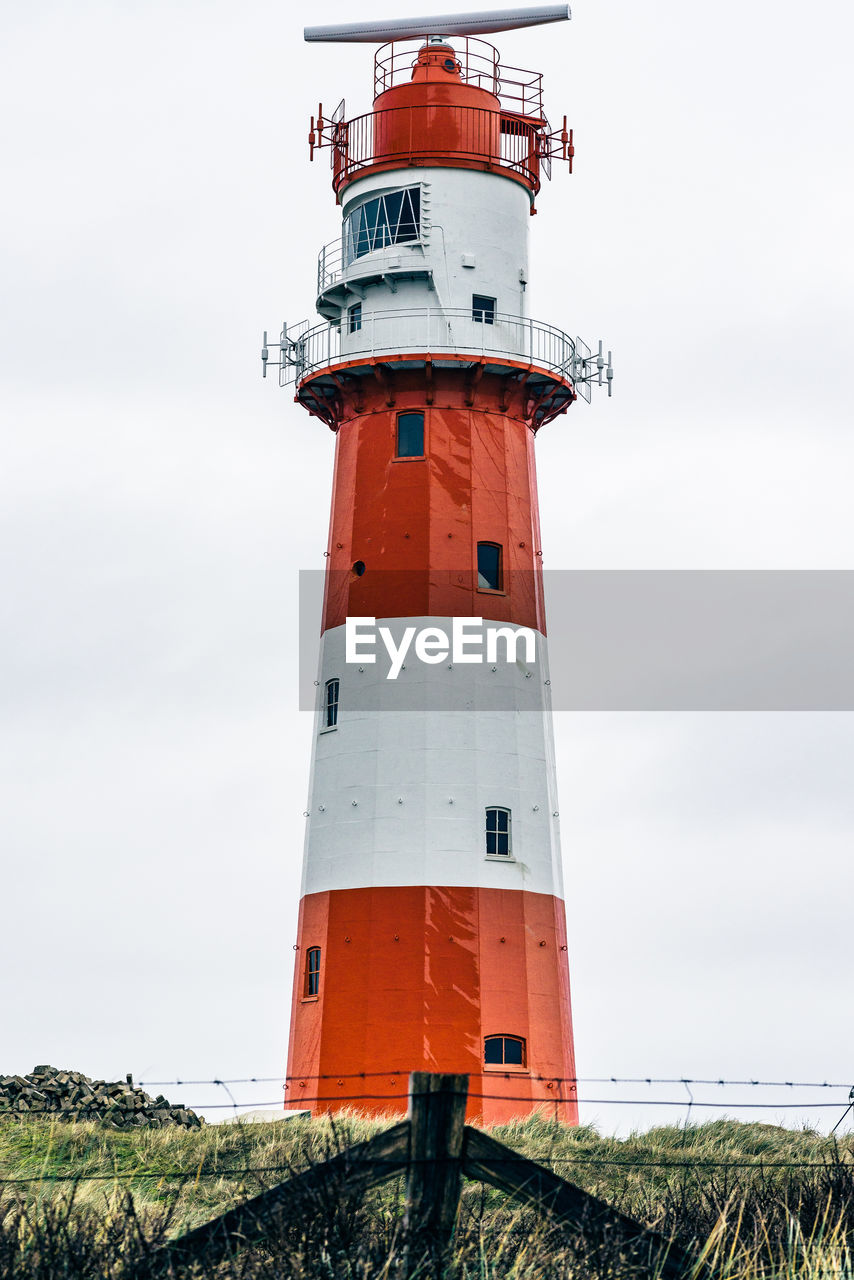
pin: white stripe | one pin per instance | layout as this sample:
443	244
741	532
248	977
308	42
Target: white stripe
399	789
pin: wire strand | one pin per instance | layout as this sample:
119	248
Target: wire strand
96	1112
718	1081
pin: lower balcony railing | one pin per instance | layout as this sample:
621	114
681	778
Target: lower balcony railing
429	330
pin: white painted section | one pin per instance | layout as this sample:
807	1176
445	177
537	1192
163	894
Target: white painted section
399	789
464	213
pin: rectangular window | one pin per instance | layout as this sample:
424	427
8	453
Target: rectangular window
312	971
354	318
393	218
330	706
483	309
504	1051
489	566
410	435
498	833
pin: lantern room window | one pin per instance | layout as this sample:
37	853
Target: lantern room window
392	218
505	1051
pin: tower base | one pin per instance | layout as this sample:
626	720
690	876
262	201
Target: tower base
419	978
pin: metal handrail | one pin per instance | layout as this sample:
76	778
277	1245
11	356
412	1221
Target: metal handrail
419	133
331	267
479	62
330	264
428	330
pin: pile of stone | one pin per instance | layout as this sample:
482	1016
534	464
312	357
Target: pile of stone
69	1095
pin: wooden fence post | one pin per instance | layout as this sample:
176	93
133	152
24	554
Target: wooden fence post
436	1148
437	1119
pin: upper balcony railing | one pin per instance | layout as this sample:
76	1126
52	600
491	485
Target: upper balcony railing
443	134
335	264
518	91
330	265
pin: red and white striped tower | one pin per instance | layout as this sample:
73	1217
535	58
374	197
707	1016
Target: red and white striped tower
431	926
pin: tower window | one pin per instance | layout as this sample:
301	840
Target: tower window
393	218
505	1051
488	566
312	971
354	318
498	833
483	309
330	705
410	435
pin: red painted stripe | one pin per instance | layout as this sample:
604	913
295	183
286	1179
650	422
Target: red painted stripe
415	523
414	978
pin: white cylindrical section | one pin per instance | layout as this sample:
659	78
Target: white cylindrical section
473	240
401	784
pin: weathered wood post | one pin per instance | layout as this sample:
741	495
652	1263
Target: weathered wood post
437	1120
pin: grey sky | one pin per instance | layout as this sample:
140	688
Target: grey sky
157	500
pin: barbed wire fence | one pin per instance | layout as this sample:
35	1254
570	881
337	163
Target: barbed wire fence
565	1090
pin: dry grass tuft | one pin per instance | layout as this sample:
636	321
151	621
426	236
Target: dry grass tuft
758	1202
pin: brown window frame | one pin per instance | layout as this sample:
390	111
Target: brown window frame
503	1065
311	982
410	457
499	590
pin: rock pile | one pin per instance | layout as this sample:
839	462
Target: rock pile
72	1096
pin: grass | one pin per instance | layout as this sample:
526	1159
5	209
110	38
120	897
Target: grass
758	1200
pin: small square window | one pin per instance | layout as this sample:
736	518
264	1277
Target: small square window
410	435
354	318
483	309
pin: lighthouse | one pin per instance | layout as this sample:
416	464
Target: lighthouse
431	930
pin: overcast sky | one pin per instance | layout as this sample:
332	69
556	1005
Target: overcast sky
158	498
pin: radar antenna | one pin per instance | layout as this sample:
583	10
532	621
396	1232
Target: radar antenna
448	24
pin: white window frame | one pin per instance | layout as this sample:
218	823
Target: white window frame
376	236
325	727
499	857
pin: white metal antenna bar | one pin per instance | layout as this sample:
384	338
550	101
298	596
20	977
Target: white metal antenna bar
448	24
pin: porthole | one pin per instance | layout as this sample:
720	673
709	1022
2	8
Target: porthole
359	568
